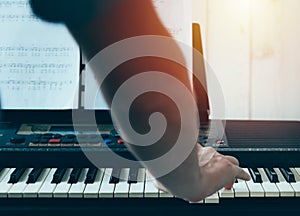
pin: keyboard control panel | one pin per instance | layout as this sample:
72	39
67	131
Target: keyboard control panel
55	136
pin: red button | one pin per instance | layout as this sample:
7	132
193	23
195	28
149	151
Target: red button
220	142
120	141
54	141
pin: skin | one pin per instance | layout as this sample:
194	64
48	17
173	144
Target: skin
102	23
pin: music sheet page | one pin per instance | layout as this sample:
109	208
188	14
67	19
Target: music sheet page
39	61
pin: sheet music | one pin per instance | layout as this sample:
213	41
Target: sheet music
176	15
39	61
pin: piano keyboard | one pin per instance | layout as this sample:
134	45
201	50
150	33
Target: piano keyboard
133	183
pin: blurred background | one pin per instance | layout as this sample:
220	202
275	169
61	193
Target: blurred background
253	47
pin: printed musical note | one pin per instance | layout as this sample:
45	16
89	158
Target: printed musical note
39	61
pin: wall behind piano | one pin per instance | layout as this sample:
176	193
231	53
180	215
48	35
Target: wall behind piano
253	46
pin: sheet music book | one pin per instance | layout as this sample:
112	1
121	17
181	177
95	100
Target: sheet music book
177	18
39	61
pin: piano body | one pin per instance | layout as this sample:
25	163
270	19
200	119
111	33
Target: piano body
43	169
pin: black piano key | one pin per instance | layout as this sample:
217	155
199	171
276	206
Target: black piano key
114	179
34	175
255	175
288	175
272	175
16	175
91	175
133	174
58	175
74	176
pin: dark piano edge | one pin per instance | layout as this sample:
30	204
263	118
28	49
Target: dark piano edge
148	206
78	159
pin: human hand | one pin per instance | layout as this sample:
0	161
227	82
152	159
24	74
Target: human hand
217	171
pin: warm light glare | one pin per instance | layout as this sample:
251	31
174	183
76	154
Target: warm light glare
245	3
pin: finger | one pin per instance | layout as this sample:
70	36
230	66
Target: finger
229	186
241	174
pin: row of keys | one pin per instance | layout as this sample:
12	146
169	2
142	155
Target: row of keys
126	183
276	184
74	175
272	175
77	183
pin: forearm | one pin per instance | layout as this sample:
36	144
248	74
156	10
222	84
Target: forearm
183	179
130	18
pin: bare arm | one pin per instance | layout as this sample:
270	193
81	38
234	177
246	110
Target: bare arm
103	23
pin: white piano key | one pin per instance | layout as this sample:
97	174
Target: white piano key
16	191
255	189
4	185
297	169
212	199
31	190
107	189
226	193
164	194
62	189
285	189
47	188
92	190
122	188
151	190
137	190
241	189
3	173
76	190
270	189
296	185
